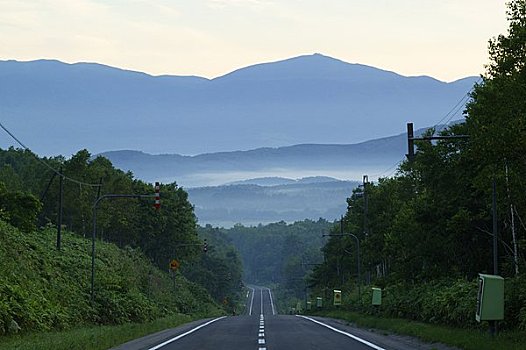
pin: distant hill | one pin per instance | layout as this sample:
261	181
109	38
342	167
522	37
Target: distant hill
264	181
254	204
59	108
246	195
276	181
268	166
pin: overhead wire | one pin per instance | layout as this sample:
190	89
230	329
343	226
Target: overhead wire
45	163
453	111
445	120
389	170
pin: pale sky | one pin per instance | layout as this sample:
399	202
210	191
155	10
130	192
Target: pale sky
446	39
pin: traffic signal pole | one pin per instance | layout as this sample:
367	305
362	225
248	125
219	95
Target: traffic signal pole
411	140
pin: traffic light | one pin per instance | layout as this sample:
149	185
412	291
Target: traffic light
205	246
157	204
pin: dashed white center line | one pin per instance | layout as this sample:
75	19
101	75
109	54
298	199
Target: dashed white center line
261	296
261	333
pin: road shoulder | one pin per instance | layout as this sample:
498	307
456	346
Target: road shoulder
385	339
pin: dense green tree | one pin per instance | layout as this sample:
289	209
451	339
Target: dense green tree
19	208
125	222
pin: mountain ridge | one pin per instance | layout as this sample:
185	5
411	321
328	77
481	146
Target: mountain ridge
349	161
310	99
88	64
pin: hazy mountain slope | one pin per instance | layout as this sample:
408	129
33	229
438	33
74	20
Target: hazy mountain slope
340	161
58	108
253	204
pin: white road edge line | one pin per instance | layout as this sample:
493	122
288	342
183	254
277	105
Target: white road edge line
271	302
185	334
363	341
251	302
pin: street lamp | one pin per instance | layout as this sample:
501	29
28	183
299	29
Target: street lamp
357	255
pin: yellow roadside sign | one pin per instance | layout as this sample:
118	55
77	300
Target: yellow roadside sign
174	265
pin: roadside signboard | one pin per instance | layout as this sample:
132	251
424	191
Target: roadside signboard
174	265
337	297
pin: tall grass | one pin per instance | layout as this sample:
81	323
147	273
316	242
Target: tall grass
91	338
467	339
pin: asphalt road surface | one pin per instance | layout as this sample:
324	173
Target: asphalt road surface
261	328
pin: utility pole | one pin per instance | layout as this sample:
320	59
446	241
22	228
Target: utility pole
99	188
411	140
357	256
513	234
492	323
495	231
365	206
60	206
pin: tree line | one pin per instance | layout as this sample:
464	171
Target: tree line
279	255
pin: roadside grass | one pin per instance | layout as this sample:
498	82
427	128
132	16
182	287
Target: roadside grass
467	339
92	337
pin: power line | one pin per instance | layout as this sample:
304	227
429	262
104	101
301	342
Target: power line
45	163
445	119
459	108
449	115
389	170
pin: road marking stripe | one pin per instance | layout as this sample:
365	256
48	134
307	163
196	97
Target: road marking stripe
185	334
261	292
363	341
261	341
271	302
251	302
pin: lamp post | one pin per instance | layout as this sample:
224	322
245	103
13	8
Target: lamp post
357	255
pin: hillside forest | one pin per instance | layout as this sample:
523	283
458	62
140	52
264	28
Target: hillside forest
129	230
426	233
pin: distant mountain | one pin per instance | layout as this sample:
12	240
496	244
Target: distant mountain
277	181
268	166
58	108
253	204
264	181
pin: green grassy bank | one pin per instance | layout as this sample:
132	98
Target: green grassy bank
468	339
45	290
93	337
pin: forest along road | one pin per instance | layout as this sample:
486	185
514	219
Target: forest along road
261	328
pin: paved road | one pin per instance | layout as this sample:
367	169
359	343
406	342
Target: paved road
261	328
